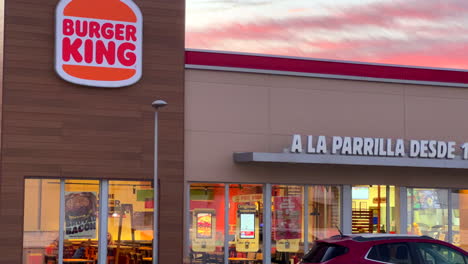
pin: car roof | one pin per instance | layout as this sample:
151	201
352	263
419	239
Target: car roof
372	237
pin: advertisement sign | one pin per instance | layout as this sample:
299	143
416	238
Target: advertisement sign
80	215
426	199
204	232
98	43
204	225
247	228
247	198
287	223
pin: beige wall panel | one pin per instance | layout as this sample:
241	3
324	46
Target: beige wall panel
210	155
222	77
336	113
322	84
436	91
228	108
437	118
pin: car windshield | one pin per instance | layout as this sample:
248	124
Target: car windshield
322	252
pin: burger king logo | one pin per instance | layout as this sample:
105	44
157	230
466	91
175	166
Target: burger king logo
98	42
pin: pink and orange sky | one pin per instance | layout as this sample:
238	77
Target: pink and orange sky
429	33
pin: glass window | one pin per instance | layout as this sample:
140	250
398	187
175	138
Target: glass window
440	254
287	222
391	253
460	218
428	212
206	234
81	219
245	222
322	252
324	211
41	221
130	221
370	208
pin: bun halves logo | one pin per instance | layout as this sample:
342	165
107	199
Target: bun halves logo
99	42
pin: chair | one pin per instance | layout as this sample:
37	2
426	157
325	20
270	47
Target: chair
402	255
214	258
196	258
138	258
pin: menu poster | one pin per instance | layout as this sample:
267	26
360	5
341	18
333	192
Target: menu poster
204	225
287	221
80	215
204	230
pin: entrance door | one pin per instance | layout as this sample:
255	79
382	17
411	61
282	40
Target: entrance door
374	209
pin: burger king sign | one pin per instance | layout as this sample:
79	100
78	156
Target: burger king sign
98	42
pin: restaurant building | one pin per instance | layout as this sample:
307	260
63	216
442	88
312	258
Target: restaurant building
256	156
282	151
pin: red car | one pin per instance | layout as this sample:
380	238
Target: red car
384	248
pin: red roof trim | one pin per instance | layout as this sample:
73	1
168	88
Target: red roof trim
257	62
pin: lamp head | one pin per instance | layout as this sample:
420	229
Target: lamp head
158	104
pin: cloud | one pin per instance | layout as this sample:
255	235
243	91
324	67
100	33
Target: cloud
399	32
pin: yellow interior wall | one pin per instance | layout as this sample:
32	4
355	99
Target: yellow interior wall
50	205
31	204
373	193
124	193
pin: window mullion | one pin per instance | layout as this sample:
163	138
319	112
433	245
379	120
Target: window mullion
267	224
61	220
103	212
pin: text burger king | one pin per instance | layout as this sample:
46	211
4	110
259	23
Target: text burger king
99	42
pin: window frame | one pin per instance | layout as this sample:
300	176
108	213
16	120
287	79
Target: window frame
267	212
103	208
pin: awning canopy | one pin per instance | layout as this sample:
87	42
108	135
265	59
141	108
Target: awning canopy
263	157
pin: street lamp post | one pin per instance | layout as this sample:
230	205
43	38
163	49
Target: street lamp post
158	104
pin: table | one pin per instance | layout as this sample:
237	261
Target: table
145	248
78	261
244	260
121	246
147	260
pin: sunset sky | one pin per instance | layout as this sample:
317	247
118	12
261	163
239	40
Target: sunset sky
430	33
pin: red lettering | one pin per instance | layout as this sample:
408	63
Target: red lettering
94	29
67	26
81	28
124	54
88	51
119	31
103	51
71	49
130	33
107	31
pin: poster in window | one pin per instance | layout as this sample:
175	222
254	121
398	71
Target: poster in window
80	215
204	225
204	230
287	223
426	199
